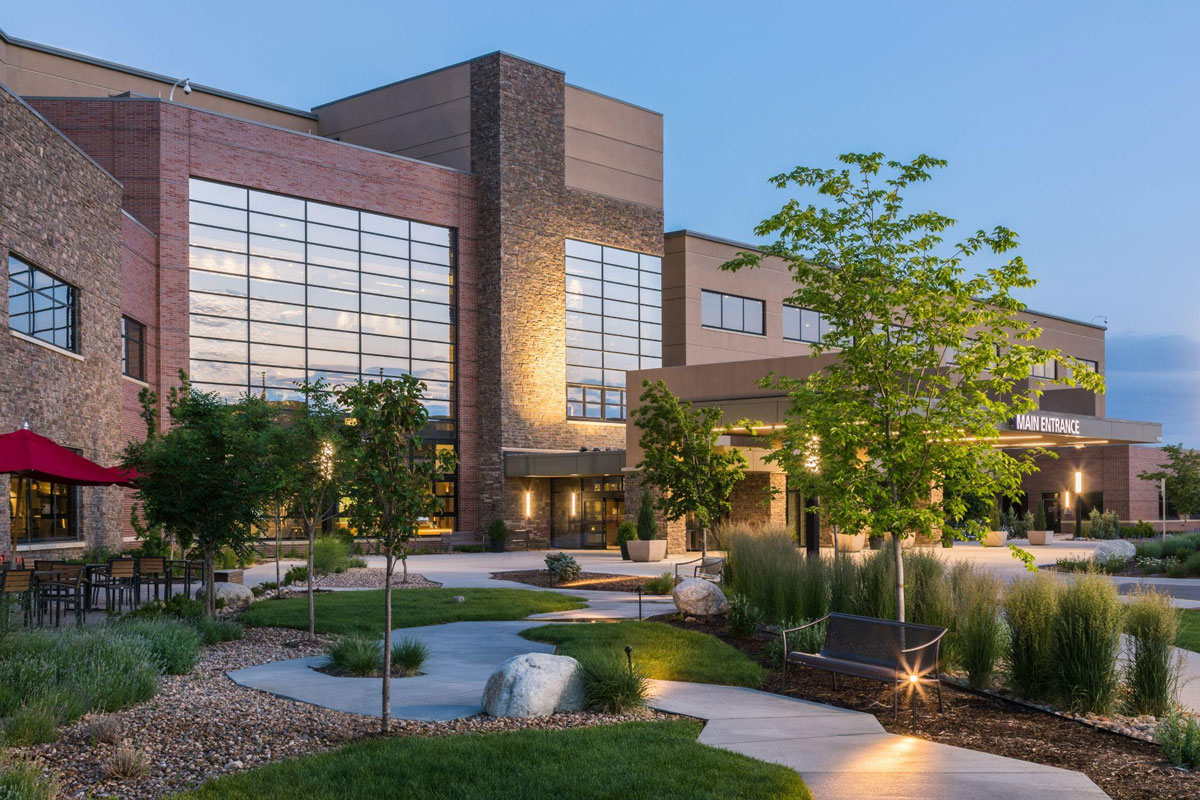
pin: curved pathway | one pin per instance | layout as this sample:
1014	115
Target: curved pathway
841	754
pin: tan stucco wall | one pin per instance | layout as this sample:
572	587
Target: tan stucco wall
613	148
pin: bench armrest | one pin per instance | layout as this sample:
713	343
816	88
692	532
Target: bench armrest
783	632
679	564
930	643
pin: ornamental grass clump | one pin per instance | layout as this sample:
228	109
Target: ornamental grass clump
1031	613
358	656
1086	644
409	654
928	599
175	645
977	633
663	584
612	686
1153	666
25	779
876	595
843	584
330	555
764	566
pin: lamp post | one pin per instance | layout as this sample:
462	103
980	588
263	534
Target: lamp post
1078	502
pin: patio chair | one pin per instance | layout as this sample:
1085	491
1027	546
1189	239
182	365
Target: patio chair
67	592
119	581
152	571
17	584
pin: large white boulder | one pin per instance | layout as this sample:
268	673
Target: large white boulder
236	596
1114	549
534	685
699	598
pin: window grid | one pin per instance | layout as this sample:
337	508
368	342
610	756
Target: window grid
613	325
133	350
803	324
1046	370
731	312
42	306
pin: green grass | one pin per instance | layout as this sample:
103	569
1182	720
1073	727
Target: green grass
659	650
1189	630
659	760
362	612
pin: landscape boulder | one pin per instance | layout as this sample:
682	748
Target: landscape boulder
236	596
534	685
1114	549
700	598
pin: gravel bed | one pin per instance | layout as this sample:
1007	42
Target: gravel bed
372	578
201	725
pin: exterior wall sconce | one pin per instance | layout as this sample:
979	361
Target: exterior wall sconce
1078	481
528	504
574	499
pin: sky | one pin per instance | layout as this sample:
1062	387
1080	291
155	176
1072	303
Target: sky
1073	123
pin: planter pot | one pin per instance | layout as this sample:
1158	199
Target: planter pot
947	542
851	542
647	549
1041	538
876	542
994	539
625	551
496	546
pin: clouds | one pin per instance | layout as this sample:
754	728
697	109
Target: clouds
1156	378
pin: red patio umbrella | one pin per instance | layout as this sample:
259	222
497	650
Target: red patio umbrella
26	454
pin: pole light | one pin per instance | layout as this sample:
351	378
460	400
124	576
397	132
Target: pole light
1078	502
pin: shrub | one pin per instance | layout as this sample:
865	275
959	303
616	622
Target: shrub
663	584
126	762
1188	568
23	780
35	722
611	686
1030	611
1152	671
1142	530
1086	644
626	532
215	631
497	532
562	567
175	645
742	619
1103	525
295	575
976	641
809	640
1179	738
647	525
330	555
1039	517
409	654
105	729
359	656
927	593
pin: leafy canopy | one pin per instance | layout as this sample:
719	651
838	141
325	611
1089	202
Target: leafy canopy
681	458
929	359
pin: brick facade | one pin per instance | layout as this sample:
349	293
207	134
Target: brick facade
1111	469
62	213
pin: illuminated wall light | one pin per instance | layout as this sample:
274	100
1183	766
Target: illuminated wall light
1067	499
528	504
574	497
1078	481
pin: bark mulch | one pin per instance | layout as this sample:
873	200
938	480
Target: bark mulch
596	581
1124	768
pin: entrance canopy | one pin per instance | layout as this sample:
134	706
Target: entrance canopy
26	454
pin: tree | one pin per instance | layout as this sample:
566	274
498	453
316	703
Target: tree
390	475
681	459
930	360
1182	475
203	479
311	467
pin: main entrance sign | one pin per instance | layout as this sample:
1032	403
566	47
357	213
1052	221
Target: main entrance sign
1047	423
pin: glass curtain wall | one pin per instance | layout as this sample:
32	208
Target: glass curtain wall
614	324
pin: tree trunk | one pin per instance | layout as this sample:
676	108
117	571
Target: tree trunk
312	613
899	556
404	560
210	590
386	720
278	579
703	541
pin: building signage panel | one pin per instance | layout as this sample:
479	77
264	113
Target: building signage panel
1047	423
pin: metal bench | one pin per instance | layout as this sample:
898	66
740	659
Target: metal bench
878	649
710	568
451	539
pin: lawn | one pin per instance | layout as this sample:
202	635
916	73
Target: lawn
1189	630
361	612
659	760
661	651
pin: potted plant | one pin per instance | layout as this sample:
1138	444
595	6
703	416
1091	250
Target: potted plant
996	535
876	541
647	546
626	531
948	537
1039	533
851	542
497	532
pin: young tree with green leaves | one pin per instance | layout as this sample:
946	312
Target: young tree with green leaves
930	360
311	467
1182	475
390	475
681	459
203	479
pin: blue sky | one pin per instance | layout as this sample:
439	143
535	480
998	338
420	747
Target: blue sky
1073	123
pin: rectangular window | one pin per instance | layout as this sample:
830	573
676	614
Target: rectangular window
1048	370
1087	363
613	325
41	306
802	324
133	352
41	511
729	312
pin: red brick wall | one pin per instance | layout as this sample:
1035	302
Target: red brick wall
153	147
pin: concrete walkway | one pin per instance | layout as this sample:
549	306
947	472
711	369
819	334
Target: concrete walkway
841	754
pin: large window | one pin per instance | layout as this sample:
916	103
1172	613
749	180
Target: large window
1048	370
731	313
614	324
133	351
284	289
802	324
40	511
40	305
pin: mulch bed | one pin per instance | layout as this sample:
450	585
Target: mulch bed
596	581
1124	768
